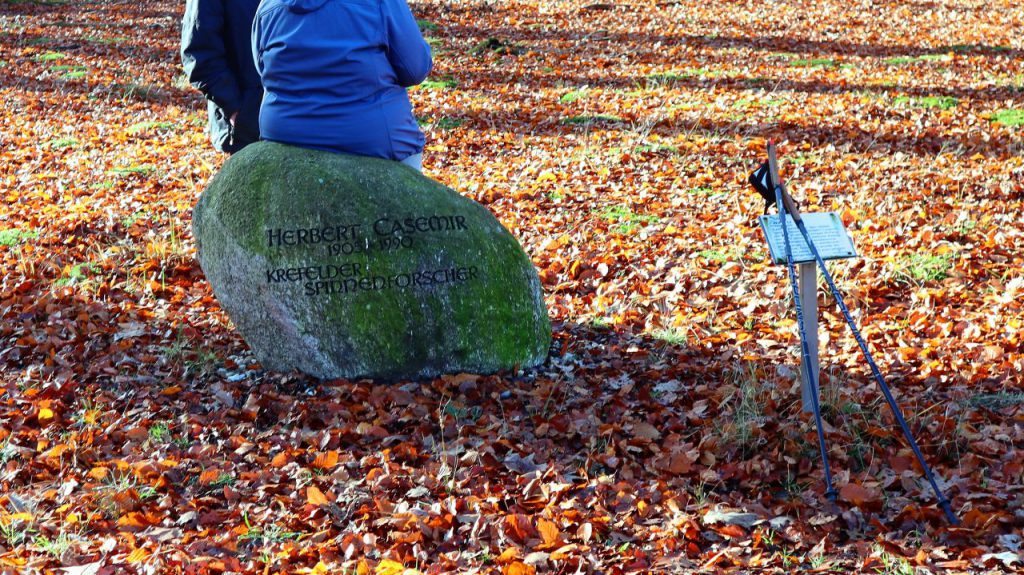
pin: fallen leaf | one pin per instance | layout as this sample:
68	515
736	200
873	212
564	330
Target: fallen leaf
316	497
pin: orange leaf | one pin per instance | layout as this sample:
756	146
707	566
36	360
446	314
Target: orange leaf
549	532
316	497
172	390
45	415
734	531
136	556
389	567
519	527
134	519
519	568
507	556
280	460
326	460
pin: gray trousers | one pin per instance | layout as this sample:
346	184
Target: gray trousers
415	161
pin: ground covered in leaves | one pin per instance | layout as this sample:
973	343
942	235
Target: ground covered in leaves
665	433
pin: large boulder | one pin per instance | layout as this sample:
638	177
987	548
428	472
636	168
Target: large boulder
348	267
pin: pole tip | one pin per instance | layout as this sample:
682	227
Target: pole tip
950	516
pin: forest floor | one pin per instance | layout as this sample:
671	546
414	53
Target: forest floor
665	433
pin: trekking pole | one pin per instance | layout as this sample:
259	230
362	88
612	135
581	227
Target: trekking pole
787	203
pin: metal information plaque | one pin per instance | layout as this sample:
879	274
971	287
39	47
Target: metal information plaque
826	231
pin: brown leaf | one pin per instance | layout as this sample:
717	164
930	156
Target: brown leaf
859	495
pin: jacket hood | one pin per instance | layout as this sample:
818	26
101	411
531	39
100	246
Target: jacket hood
304	6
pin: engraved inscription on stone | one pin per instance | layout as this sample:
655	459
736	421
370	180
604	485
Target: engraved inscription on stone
385	234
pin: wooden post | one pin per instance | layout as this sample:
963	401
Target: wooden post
809	302
808	285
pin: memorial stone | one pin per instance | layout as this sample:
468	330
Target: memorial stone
348	267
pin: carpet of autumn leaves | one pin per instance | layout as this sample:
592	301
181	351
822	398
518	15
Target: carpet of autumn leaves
665	434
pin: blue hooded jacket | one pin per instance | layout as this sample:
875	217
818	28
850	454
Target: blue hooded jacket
334	74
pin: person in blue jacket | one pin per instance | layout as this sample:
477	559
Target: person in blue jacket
335	74
216	50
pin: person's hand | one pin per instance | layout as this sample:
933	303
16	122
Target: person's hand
232	119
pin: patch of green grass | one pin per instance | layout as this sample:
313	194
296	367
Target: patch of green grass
193	358
51	56
462	413
445	83
893	564
574	95
592	119
446	123
496	46
105	185
716	255
7	450
940	102
105	40
1011	117
702	73
150	125
181	82
996	401
61	143
135	217
903	60
425	25
668	78
134	91
41	40
656	148
627	221
55	547
965	48
159	433
801	159
15	532
674	336
740	427
924	267
144	169
814	63
13	237
225	479
76	274
268	535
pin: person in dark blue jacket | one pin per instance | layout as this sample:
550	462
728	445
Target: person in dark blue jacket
216	49
335	74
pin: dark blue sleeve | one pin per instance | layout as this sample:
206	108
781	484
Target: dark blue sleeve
204	55
407	51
